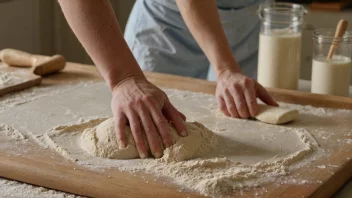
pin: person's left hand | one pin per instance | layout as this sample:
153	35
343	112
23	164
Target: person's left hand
237	95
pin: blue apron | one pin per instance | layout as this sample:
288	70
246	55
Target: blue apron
161	42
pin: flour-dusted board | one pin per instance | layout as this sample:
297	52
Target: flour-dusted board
15	79
25	161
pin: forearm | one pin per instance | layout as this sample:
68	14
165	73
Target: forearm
203	20
96	27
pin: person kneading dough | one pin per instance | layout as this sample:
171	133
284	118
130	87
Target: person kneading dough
139	104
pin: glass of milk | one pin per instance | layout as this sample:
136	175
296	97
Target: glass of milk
279	56
333	76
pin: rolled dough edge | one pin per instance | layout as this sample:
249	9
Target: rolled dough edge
267	115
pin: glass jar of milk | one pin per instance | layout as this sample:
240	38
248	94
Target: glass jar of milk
331	76
279	56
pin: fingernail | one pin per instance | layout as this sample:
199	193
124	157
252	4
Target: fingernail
122	144
157	155
184	133
143	155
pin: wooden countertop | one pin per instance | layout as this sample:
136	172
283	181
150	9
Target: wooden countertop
39	167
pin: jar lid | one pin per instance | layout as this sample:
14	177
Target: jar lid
281	12
327	35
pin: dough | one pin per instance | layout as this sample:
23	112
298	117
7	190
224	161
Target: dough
101	141
247	154
275	115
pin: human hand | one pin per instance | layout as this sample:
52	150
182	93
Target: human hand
146	109
237	94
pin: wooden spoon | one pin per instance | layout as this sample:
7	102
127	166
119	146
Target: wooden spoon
340	31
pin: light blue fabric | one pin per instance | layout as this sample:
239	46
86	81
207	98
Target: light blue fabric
161	42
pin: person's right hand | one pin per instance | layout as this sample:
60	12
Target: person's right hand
237	94
146	109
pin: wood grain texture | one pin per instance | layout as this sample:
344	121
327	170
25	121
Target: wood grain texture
55	173
44	167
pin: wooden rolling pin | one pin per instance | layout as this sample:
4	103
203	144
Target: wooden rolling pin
41	65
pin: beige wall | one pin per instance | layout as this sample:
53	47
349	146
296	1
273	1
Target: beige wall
38	26
65	41
19	25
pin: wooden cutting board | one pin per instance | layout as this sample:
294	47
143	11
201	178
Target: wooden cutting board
46	168
18	79
15	78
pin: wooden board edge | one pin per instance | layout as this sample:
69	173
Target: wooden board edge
21	86
71	178
281	95
340	176
305	98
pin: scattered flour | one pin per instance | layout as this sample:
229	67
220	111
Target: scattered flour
15	189
319	111
14	99
206	174
249	153
7	78
11	132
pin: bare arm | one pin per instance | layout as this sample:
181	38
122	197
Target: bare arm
236	93
95	25
203	20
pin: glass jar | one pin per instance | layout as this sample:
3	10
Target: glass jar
332	76
279	56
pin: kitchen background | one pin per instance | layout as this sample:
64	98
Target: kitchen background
39	27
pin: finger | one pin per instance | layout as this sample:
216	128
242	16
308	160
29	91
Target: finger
222	106
161	124
230	105
264	96
120	124
240	102
251	100
182	116
171	112
137	133
150	132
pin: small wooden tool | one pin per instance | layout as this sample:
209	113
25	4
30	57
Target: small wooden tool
16	78
41	65
340	31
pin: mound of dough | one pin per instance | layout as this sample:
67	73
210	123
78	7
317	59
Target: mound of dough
101	141
275	115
